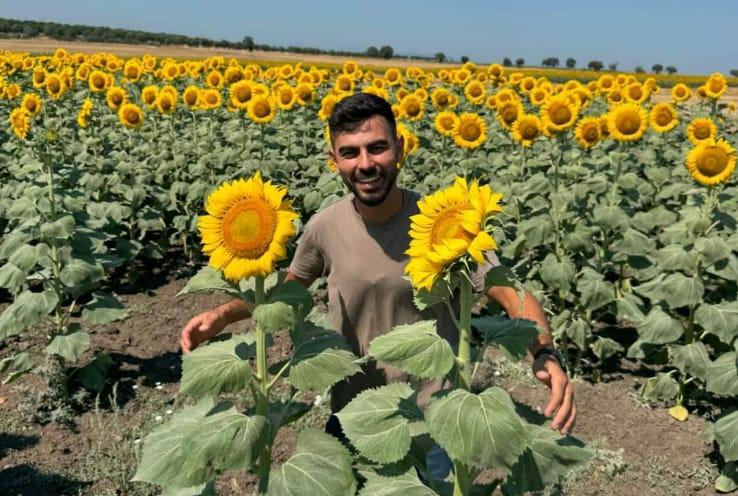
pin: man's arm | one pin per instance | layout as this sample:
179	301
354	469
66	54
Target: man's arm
208	324
546	368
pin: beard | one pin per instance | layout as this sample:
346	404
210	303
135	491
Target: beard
371	186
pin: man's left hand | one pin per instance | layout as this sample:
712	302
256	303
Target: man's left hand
548	370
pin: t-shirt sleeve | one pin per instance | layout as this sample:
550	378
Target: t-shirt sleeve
478	276
309	259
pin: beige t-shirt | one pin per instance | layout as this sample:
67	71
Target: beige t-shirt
367	293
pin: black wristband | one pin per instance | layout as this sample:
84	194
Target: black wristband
551	352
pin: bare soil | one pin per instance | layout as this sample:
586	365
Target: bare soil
639	449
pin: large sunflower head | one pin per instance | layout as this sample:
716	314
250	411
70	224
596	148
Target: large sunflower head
130	115
559	113
191	95
285	97
663	117
681	92
20	122
247	227
32	103
715	86
636	93
166	103
452	223
262	109
326	107
587	133
240	94
54	85
701	130
508	112
98	81
39	77
526	129
538	96
215	79
441	99
233	74
495	70
149	94
711	162
115	97
475	92
304	93
209	99
446	122
412	107
132	70
471	132
344	83
410	140
627	122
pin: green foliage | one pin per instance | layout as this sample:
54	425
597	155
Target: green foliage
219	367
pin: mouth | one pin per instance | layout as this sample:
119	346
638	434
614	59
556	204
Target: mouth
368	183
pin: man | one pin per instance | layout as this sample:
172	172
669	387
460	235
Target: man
359	244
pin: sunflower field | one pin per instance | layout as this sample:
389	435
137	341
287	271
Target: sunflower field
619	209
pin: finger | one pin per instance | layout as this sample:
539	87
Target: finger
565	409
185	343
569	426
558	388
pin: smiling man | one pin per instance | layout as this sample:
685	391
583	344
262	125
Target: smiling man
359	245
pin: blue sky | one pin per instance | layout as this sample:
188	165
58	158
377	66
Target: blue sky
695	37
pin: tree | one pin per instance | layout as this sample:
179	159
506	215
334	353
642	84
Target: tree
571	63
440	57
640	70
507	62
464	59
372	51
550	62
670	69
612	67
595	65
248	43
657	68
520	62
734	72
386	52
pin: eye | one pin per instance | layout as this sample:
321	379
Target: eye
379	148
350	153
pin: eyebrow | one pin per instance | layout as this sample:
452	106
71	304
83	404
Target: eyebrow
345	149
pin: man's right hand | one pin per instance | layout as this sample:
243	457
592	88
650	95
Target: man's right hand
201	328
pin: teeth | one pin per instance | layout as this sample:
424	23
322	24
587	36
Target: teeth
367	181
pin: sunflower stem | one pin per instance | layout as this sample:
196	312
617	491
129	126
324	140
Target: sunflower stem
463	479
464	355
262	399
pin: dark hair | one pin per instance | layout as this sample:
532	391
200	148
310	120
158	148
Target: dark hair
350	112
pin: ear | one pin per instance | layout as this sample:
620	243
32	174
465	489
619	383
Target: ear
400	144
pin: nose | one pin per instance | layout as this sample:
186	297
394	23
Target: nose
364	159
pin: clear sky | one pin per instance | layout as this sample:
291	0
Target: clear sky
696	37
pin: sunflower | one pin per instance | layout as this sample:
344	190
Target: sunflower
132	70
527	84
412	107
285	97
83	72
39	77
663	117
616	96
240	93
605	83
304	94
681	92
715	85
711	162
526	129
344	84
286	71
32	103
115	97
166	103
376	91
461	76
588	131
701	130
215	79
508	112
410	140
191	96
471	132
452	223
446	122
495	70
20	122
538	96
627	122
85	112
170	71
262	109
233	74
506	95
209	99
326	107
475	92
558	113
247	227
98	81
54	85
441	99
491	102
636	93
12	91
149	94
130	115
393	76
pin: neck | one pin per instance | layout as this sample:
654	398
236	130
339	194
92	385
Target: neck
379	214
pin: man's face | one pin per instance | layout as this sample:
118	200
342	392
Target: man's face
367	159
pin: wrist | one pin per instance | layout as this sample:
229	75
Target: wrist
551	354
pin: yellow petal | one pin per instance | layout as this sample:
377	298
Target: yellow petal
679	413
